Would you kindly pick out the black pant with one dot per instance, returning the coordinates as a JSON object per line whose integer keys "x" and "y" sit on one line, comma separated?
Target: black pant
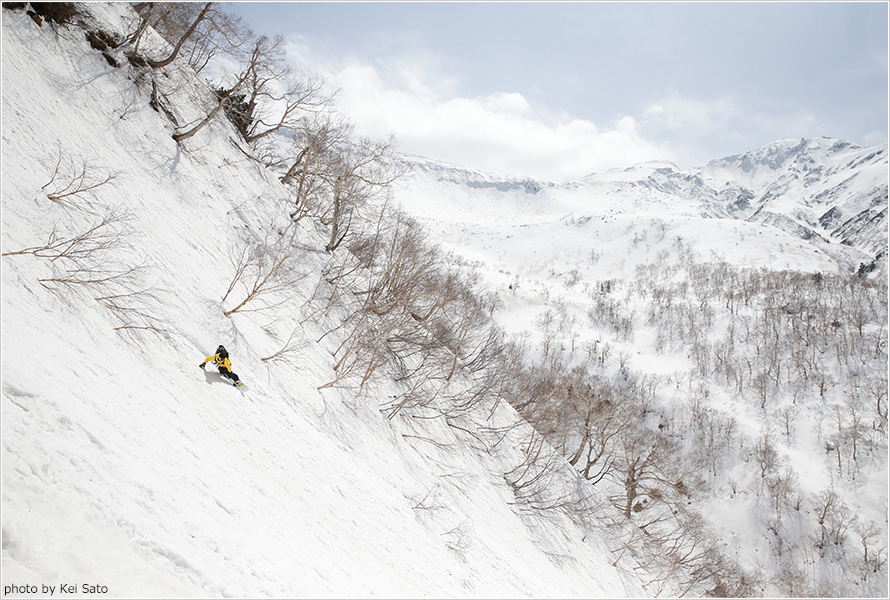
{"x": 226, "y": 373}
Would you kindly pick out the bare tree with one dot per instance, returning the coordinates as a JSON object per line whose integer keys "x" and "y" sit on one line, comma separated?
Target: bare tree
{"x": 314, "y": 143}
{"x": 67, "y": 180}
{"x": 826, "y": 503}
{"x": 265, "y": 268}
{"x": 877, "y": 390}
{"x": 874, "y": 548}
{"x": 287, "y": 350}
{"x": 157, "y": 64}
{"x": 255, "y": 56}
{"x": 359, "y": 172}
{"x": 784, "y": 488}
{"x": 81, "y": 249}
{"x": 275, "y": 97}
{"x": 87, "y": 264}
{"x": 219, "y": 33}
{"x": 392, "y": 286}
{"x": 597, "y": 414}
{"x": 766, "y": 457}
{"x": 645, "y": 462}
{"x": 133, "y": 305}
{"x": 194, "y": 30}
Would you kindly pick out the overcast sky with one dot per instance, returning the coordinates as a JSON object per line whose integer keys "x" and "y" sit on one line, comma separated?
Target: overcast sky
{"x": 562, "y": 89}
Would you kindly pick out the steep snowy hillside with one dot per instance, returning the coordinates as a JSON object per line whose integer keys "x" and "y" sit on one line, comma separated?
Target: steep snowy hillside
{"x": 127, "y": 470}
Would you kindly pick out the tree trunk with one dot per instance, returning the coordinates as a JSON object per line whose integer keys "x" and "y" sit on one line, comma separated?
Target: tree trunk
{"x": 136, "y": 36}
{"x": 335, "y": 226}
{"x": 186, "y": 135}
{"x": 630, "y": 487}
{"x": 577, "y": 454}
{"x": 291, "y": 173}
{"x": 163, "y": 63}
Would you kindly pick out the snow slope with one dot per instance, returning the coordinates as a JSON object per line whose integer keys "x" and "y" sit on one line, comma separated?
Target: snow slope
{"x": 125, "y": 467}
{"x": 818, "y": 188}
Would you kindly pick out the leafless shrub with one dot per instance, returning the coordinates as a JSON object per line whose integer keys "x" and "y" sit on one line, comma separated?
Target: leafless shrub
{"x": 134, "y": 310}
{"x": 97, "y": 276}
{"x": 82, "y": 249}
{"x": 289, "y": 350}
{"x": 430, "y": 501}
{"x": 69, "y": 180}
{"x": 87, "y": 261}
{"x": 457, "y": 538}
{"x": 265, "y": 268}
{"x": 792, "y": 579}
{"x": 119, "y": 289}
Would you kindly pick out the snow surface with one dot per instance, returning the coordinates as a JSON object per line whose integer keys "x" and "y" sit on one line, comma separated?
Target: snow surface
{"x": 124, "y": 466}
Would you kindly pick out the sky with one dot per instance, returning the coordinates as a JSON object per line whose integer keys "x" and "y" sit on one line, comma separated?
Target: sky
{"x": 559, "y": 90}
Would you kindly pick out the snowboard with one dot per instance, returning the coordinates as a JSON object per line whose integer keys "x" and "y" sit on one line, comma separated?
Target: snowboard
{"x": 239, "y": 384}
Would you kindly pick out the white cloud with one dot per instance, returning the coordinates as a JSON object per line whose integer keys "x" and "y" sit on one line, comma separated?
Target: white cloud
{"x": 499, "y": 132}
{"x": 678, "y": 112}
{"x": 702, "y": 129}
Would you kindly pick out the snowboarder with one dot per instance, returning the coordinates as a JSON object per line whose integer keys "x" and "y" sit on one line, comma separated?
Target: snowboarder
{"x": 221, "y": 358}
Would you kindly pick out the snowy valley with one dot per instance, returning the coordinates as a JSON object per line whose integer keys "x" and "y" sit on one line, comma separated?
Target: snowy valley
{"x": 667, "y": 275}
{"x": 647, "y": 382}
{"x": 656, "y": 271}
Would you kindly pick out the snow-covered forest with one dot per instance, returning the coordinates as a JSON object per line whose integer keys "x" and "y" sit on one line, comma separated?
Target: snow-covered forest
{"x": 648, "y": 382}
{"x": 692, "y": 348}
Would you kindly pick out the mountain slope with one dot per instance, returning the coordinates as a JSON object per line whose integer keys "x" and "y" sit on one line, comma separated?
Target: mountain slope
{"x": 751, "y": 210}
{"x": 125, "y": 467}
{"x": 827, "y": 188}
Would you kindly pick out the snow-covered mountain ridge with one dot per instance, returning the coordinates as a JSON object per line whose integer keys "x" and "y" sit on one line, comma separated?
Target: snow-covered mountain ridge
{"x": 829, "y": 192}
{"x": 829, "y": 188}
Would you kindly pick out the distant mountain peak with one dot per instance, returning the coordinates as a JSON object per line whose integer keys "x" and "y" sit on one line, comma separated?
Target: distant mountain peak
{"x": 824, "y": 190}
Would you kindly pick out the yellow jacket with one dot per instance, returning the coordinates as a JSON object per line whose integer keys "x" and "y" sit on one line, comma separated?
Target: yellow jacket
{"x": 222, "y": 362}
